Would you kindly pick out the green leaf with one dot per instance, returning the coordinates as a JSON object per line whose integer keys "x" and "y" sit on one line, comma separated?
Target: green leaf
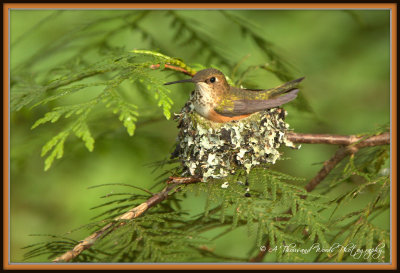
{"x": 56, "y": 144}
{"x": 82, "y": 131}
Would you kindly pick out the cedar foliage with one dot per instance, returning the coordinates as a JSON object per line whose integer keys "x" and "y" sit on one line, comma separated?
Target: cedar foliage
{"x": 166, "y": 233}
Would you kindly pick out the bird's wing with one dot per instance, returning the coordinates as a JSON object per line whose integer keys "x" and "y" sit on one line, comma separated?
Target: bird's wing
{"x": 243, "y": 107}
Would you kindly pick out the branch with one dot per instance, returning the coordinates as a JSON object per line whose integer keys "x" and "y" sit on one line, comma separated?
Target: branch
{"x": 173, "y": 182}
{"x": 353, "y": 144}
{"x": 338, "y": 139}
{"x": 131, "y": 214}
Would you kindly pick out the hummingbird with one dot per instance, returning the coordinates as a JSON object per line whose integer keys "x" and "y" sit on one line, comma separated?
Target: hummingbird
{"x": 216, "y": 100}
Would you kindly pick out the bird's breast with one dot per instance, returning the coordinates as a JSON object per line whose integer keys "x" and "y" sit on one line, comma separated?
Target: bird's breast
{"x": 203, "y": 100}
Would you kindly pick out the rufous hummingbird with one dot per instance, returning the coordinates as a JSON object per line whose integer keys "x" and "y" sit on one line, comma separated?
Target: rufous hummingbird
{"x": 217, "y": 101}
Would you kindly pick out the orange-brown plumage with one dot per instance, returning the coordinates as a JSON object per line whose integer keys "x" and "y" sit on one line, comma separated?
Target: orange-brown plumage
{"x": 214, "y": 116}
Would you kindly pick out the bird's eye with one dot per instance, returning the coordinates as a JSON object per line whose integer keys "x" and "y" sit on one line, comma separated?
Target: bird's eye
{"x": 212, "y": 79}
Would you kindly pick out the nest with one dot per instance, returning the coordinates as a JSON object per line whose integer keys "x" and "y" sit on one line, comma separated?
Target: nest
{"x": 214, "y": 150}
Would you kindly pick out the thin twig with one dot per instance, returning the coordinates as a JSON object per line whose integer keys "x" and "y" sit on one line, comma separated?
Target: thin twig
{"x": 183, "y": 180}
{"x": 172, "y": 67}
{"x": 131, "y": 214}
{"x": 351, "y": 148}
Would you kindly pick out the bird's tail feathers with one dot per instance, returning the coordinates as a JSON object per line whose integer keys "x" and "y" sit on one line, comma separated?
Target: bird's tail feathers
{"x": 284, "y": 88}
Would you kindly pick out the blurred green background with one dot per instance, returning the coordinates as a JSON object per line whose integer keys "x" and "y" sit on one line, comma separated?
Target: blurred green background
{"x": 344, "y": 55}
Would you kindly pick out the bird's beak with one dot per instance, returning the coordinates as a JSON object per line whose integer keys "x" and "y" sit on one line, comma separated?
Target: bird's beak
{"x": 188, "y": 80}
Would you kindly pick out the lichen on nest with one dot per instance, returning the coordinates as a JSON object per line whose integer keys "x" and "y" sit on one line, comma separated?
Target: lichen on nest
{"x": 214, "y": 150}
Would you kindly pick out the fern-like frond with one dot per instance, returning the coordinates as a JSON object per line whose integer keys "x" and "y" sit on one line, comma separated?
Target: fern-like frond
{"x": 187, "y": 33}
{"x": 136, "y": 66}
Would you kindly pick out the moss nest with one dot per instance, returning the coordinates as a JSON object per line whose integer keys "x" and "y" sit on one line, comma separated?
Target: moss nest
{"x": 209, "y": 149}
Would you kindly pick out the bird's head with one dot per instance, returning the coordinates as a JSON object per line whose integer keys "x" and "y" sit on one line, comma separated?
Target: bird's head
{"x": 209, "y": 80}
